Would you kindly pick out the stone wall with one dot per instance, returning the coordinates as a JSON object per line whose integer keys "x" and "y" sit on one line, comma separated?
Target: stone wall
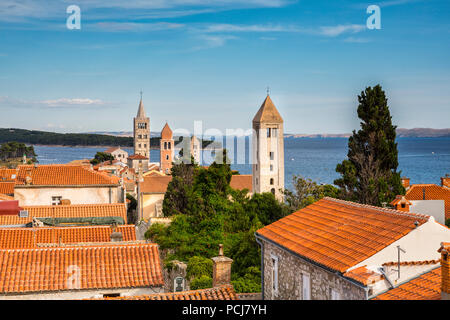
{"x": 290, "y": 270}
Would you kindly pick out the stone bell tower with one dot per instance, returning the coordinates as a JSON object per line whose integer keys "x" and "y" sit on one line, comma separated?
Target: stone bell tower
{"x": 268, "y": 150}
{"x": 167, "y": 147}
{"x": 142, "y": 132}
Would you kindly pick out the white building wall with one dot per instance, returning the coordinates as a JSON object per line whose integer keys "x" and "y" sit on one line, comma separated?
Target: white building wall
{"x": 85, "y": 195}
{"x": 434, "y": 208}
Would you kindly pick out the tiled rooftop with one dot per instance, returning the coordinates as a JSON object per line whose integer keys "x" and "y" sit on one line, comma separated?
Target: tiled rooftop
{"x": 27, "y": 238}
{"x": 432, "y": 192}
{"x": 98, "y": 267}
{"x": 241, "y": 182}
{"x": 268, "y": 112}
{"x": 7, "y": 174}
{"x": 340, "y": 234}
{"x": 363, "y": 275}
{"x": 7, "y": 188}
{"x": 424, "y": 287}
{"x": 218, "y": 293}
{"x": 69, "y": 211}
{"x": 62, "y": 175}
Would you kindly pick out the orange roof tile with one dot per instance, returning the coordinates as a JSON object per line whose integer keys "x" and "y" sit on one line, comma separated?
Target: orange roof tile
{"x": 425, "y": 287}
{"x": 155, "y": 184}
{"x": 68, "y": 211}
{"x": 411, "y": 263}
{"x": 98, "y": 267}
{"x": 242, "y": 181}
{"x": 166, "y": 132}
{"x": 61, "y": 175}
{"x": 432, "y": 192}
{"x": 7, "y": 188}
{"x": 218, "y": 293}
{"x": 137, "y": 157}
{"x": 26, "y": 238}
{"x": 363, "y": 275}
{"x": 7, "y": 174}
{"x": 340, "y": 234}
{"x": 4, "y": 197}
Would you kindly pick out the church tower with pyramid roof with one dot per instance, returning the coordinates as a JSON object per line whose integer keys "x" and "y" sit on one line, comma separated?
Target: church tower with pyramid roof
{"x": 167, "y": 149}
{"x": 141, "y": 132}
{"x": 268, "y": 150}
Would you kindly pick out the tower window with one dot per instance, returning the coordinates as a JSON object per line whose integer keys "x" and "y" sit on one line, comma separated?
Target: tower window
{"x": 167, "y": 157}
{"x": 139, "y": 145}
{"x": 271, "y": 181}
{"x": 269, "y": 133}
{"x": 170, "y": 145}
{"x": 165, "y": 145}
{"x": 271, "y": 167}
{"x": 145, "y": 145}
{"x": 273, "y": 191}
{"x": 140, "y": 136}
{"x": 142, "y": 125}
{"x": 145, "y": 136}
{"x": 274, "y": 132}
{"x": 271, "y": 154}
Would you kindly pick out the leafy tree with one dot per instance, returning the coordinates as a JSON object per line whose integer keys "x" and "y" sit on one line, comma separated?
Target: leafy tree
{"x": 369, "y": 175}
{"x": 202, "y": 282}
{"x": 199, "y": 266}
{"x": 306, "y": 192}
{"x": 12, "y": 150}
{"x": 102, "y": 157}
{"x": 250, "y": 282}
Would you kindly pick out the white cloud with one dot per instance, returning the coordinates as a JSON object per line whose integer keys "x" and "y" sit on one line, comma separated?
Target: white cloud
{"x": 333, "y": 31}
{"x": 11, "y": 103}
{"x": 131, "y": 26}
{"x": 64, "y": 102}
{"x": 249, "y": 28}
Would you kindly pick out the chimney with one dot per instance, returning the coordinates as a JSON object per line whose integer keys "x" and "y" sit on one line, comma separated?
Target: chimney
{"x": 405, "y": 182}
{"x": 402, "y": 204}
{"x": 445, "y": 181}
{"x": 116, "y": 236}
{"x": 445, "y": 270}
{"x": 221, "y": 269}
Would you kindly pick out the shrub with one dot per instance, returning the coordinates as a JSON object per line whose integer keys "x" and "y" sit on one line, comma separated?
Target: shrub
{"x": 203, "y": 282}
{"x": 199, "y": 266}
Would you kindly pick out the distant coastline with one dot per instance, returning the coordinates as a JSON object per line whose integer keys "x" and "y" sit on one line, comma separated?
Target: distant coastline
{"x": 401, "y": 133}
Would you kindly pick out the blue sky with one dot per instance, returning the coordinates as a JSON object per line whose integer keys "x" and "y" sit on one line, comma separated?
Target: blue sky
{"x": 212, "y": 61}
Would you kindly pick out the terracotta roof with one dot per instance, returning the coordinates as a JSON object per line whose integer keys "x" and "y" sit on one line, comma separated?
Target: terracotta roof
{"x": 68, "y": 211}
{"x": 364, "y": 275}
{"x": 218, "y": 293}
{"x": 7, "y": 187}
{"x": 60, "y": 175}
{"x": 268, "y": 112}
{"x": 242, "y": 181}
{"x": 112, "y": 149}
{"x": 340, "y": 234}
{"x": 4, "y": 197}
{"x": 411, "y": 263}
{"x": 27, "y": 238}
{"x": 99, "y": 267}
{"x": 432, "y": 192}
{"x": 166, "y": 132}
{"x": 424, "y": 287}
{"x": 7, "y": 174}
{"x": 137, "y": 157}
{"x": 155, "y": 184}
{"x": 9, "y": 207}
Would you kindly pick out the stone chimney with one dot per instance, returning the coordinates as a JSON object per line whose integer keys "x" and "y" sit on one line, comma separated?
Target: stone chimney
{"x": 405, "y": 182}
{"x": 116, "y": 236}
{"x": 401, "y": 204}
{"x": 445, "y": 181}
{"x": 445, "y": 270}
{"x": 221, "y": 269}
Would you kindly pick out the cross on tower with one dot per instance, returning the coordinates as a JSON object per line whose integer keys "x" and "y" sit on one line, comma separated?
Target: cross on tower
{"x": 141, "y": 94}
{"x": 268, "y": 90}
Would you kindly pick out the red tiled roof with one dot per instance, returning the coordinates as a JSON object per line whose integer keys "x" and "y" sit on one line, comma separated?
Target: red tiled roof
{"x": 424, "y": 287}
{"x": 166, "y": 132}
{"x": 340, "y": 234}
{"x": 7, "y": 188}
{"x": 155, "y": 184}
{"x": 137, "y": 157}
{"x": 432, "y": 192}
{"x": 363, "y": 275}
{"x": 4, "y": 197}
{"x": 218, "y": 293}
{"x": 112, "y": 149}
{"x": 242, "y": 181}
{"x": 27, "y": 238}
{"x": 411, "y": 263}
{"x": 68, "y": 211}
{"x": 7, "y": 174}
{"x": 98, "y": 267}
{"x": 60, "y": 175}
{"x": 268, "y": 112}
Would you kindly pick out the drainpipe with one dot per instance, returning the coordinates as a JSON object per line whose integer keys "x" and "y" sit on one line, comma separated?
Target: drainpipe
{"x": 262, "y": 265}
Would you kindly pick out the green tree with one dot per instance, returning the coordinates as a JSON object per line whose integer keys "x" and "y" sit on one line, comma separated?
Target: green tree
{"x": 101, "y": 157}
{"x": 202, "y": 282}
{"x": 306, "y": 192}
{"x": 369, "y": 175}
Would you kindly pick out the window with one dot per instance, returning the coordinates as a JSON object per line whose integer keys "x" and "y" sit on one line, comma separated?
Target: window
{"x": 145, "y": 136}
{"x": 273, "y": 191}
{"x": 335, "y": 295}
{"x": 140, "y": 136}
{"x": 139, "y": 145}
{"x": 167, "y": 157}
{"x": 256, "y": 166}
{"x": 170, "y": 145}
{"x": 165, "y": 145}
{"x": 56, "y": 200}
{"x": 111, "y": 295}
{"x": 274, "y": 133}
{"x": 142, "y": 125}
{"x": 274, "y": 275}
{"x": 271, "y": 181}
{"x": 271, "y": 167}
{"x": 145, "y": 145}
{"x": 268, "y": 132}
{"x": 271, "y": 154}
{"x": 256, "y": 180}
{"x": 306, "y": 286}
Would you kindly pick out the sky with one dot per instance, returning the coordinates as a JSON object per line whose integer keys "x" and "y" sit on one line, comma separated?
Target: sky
{"x": 212, "y": 61}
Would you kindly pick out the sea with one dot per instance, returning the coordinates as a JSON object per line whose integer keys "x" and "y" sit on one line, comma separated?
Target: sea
{"x": 423, "y": 160}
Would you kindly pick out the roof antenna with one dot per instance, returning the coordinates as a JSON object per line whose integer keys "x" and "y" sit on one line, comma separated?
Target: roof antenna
{"x": 398, "y": 263}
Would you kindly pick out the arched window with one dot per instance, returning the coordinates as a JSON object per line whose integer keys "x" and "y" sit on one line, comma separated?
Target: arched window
{"x": 165, "y": 145}
{"x": 273, "y": 191}
{"x": 271, "y": 181}
{"x": 167, "y": 157}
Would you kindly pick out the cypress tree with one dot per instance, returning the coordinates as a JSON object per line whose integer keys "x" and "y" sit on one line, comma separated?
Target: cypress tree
{"x": 369, "y": 175}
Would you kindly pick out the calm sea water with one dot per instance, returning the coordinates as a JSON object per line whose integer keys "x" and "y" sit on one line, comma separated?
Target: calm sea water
{"x": 424, "y": 160}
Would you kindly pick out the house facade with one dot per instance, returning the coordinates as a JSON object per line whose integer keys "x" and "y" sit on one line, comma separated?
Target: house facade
{"x": 340, "y": 250}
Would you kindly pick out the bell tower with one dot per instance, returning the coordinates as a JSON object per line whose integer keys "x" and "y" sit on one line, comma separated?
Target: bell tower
{"x": 166, "y": 149}
{"x": 268, "y": 150}
{"x": 141, "y": 132}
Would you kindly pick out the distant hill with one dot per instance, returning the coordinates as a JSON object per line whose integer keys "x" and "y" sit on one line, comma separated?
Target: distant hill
{"x": 401, "y": 133}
